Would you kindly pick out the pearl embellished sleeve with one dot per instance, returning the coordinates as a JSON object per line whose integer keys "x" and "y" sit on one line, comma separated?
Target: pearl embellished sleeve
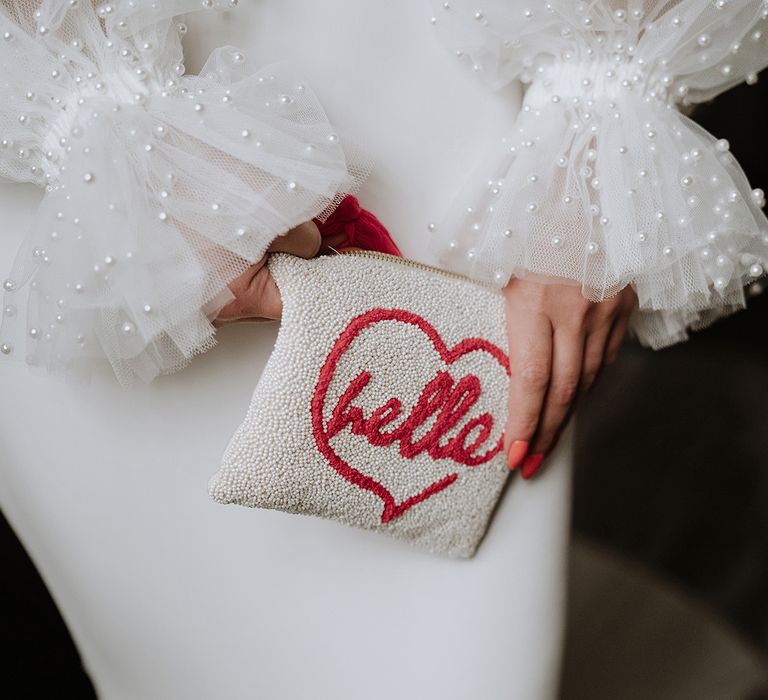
{"x": 603, "y": 181}
{"x": 160, "y": 187}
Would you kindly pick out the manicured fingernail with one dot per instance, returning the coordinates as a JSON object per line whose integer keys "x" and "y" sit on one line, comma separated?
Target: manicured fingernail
{"x": 517, "y": 451}
{"x": 532, "y": 464}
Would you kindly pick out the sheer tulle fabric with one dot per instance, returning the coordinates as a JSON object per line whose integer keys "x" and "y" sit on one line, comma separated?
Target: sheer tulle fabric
{"x": 160, "y": 188}
{"x": 602, "y": 180}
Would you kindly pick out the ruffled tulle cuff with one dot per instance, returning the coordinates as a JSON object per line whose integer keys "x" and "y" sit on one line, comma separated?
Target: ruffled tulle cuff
{"x": 161, "y": 188}
{"x": 602, "y": 181}
{"x": 612, "y": 192}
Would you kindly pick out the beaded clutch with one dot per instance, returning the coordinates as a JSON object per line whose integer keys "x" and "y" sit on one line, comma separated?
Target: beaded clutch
{"x": 381, "y": 406}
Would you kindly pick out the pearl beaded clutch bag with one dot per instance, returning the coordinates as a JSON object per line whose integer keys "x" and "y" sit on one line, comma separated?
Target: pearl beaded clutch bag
{"x": 382, "y": 405}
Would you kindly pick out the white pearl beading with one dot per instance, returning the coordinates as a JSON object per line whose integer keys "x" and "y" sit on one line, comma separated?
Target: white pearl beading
{"x": 598, "y": 77}
{"x": 115, "y": 90}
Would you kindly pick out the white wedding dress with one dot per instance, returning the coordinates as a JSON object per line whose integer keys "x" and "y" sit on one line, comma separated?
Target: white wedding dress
{"x": 167, "y": 594}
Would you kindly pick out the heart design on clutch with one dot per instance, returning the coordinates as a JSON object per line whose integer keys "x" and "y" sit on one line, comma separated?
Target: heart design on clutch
{"x": 442, "y": 396}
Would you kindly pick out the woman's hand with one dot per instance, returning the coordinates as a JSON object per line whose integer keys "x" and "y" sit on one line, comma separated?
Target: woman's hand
{"x": 257, "y": 297}
{"x": 558, "y": 343}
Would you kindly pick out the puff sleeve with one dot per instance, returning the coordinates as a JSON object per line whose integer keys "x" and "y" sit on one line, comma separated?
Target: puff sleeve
{"x": 602, "y": 180}
{"x": 160, "y": 187}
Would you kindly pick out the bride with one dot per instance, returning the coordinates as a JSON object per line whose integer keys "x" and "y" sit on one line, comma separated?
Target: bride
{"x": 590, "y": 221}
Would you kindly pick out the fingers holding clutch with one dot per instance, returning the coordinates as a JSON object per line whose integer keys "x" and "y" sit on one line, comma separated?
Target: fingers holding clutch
{"x": 257, "y": 297}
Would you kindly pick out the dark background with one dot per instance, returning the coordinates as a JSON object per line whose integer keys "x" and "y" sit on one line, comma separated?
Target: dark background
{"x": 671, "y": 464}
{"x": 690, "y": 497}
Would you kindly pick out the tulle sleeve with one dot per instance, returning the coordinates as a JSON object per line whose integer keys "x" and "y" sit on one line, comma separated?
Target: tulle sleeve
{"x": 603, "y": 181}
{"x": 160, "y": 187}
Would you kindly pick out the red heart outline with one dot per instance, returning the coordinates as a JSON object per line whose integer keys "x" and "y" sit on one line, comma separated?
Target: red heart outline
{"x": 449, "y": 355}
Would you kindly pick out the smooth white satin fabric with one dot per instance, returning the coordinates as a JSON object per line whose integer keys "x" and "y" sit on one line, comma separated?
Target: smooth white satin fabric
{"x": 170, "y": 595}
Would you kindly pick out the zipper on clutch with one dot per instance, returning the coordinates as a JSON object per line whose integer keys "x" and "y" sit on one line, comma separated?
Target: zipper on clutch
{"x": 413, "y": 263}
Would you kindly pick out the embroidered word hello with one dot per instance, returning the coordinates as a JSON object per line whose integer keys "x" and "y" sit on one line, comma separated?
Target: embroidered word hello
{"x": 443, "y": 397}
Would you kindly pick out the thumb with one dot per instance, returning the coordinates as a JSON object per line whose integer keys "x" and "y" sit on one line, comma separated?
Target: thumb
{"x": 303, "y": 241}
{"x": 257, "y": 297}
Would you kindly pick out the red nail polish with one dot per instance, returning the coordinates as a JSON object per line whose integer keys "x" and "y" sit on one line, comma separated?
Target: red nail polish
{"x": 517, "y": 451}
{"x": 532, "y": 464}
